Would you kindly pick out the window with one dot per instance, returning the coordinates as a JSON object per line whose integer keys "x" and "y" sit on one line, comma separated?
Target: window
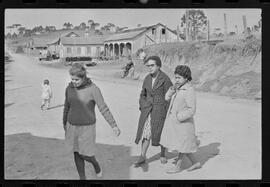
{"x": 79, "y": 50}
{"x": 153, "y": 31}
{"x": 88, "y": 50}
{"x": 68, "y": 49}
{"x": 163, "y": 31}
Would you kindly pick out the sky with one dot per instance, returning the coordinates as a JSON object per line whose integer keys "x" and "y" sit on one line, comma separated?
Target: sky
{"x": 30, "y": 18}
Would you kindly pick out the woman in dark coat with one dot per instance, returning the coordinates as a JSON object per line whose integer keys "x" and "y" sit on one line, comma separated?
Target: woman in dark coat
{"x": 153, "y": 107}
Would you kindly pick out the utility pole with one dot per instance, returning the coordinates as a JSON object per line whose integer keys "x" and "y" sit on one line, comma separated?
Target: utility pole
{"x": 165, "y": 33}
{"x": 236, "y": 29}
{"x": 177, "y": 32}
{"x": 225, "y": 26}
{"x": 187, "y": 24}
{"x": 245, "y": 24}
{"x": 208, "y": 30}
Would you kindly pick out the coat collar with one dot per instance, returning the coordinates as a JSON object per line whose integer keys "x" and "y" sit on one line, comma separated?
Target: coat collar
{"x": 159, "y": 80}
{"x": 86, "y": 83}
{"x": 186, "y": 86}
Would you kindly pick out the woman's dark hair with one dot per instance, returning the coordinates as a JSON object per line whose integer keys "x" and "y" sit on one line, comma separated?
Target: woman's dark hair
{"x": 155, "y": 58}
{"x": 78, "y": 70}
{"x": 46, "y": 81}
{"x": 183, "y": 71}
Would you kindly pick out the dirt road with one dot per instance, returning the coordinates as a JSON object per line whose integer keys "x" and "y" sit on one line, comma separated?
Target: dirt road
{"x": 229, "y": 130}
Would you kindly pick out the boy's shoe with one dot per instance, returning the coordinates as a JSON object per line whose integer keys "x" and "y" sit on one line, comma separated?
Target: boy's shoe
{"x": 195, "y": 166}
{"x": 174, "y": 169}
{"x": 163, "y": 160}
{"x": 99, "y": 175}
{"x": 140, "y": 161}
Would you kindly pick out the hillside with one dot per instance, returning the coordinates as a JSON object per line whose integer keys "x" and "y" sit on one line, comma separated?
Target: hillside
{"x": 232, "y": 67}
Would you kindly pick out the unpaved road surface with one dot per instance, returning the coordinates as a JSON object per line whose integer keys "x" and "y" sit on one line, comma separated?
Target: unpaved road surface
{"x": 229, "y": 130}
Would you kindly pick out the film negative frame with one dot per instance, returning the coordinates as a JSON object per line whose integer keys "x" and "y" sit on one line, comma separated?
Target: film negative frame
{"x": 263, "y": 4}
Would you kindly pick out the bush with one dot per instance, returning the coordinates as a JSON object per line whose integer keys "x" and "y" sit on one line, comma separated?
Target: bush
{"x": 83, "y": 58}
{"x": 19, "y": 49}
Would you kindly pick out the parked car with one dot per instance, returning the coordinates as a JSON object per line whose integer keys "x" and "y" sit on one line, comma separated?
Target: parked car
{"x": 92, "y": 63}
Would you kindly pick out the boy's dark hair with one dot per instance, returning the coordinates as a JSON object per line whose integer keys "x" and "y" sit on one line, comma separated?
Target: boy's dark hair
{"x": 183, "y": 71}
{"x": 46, "y": 81}
{"x": 156, "y": 59}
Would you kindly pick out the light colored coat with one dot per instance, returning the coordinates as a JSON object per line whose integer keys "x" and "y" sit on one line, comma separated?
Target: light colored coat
{"x": 179, "y": 129}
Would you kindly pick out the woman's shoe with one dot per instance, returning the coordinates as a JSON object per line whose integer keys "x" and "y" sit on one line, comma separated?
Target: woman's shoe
{"x": 99, "y": 175}
{"x": 163, "y": 160}
{"x": 140, "y": 161}
{"x": 195, "y": 166}
{"x": 175, "y": 169}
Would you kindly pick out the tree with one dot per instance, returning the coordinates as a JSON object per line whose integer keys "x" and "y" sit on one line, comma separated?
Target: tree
{"x": 82, "y": 26}
{"x": 27, "y": 33}
{"x": 50, "y": 28}
{"x": 37, "y": 29}
{"x": 90, "y": 22}
{"x": 256, "y": 28}
{"x": 95, "y": 25}
{"x": 139, "y": 25}
{"x": 67, "y": 25}
{"x": 8, "y": 36}
{"x": 21, "y": 30}
{"x": 197, "y": 20}
{"x": 108, "y": 27}
{"x": 10, "y": 28}
{"x": 14, "y": 36}
{"x": 92, "y": 25}
{"x": 119, "y": 29}
{"x": 16, "y": 25}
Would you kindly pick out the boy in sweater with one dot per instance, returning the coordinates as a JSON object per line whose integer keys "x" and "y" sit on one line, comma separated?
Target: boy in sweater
{"x": 79, "y": 118}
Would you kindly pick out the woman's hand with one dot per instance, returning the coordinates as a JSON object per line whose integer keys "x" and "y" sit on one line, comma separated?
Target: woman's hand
{"x": 175, "y": 86}
{"x": 65, "y": 127}
{"x": 116, "y": 131}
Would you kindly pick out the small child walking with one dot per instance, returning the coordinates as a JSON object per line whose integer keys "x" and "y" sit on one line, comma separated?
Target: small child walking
{"x": 46, "y": 94}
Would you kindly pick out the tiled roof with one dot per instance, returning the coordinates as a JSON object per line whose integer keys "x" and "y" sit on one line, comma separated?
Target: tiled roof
{"x": 91, "y": 40}
{"x": 125, "y": 35}
{"x": 132, "y": 33}
{"x": 47, "y": 38}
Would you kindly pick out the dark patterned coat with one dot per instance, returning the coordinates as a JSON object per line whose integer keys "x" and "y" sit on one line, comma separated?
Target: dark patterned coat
{"x": 152, "y": 101}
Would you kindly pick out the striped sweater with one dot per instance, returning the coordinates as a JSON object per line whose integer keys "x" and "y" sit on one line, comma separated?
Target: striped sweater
{"x": 79, "y": 107}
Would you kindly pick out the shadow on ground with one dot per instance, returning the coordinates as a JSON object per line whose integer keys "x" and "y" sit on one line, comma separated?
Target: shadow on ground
{"x": 8, "y": 104}
{"x": 33, "y": 157}
{"x": 57, "y": 106}
{"x": 203, "y": 154}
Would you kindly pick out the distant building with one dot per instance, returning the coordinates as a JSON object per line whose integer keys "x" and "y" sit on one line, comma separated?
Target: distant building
{"x": 131, "y": 40}
{"x": 80, "y": 46}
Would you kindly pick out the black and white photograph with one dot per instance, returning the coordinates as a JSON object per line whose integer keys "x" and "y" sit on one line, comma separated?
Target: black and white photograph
{"x": 133, "y": 94}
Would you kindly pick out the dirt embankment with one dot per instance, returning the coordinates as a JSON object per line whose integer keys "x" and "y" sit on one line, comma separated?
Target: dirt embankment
{"x": 232, "y": 67}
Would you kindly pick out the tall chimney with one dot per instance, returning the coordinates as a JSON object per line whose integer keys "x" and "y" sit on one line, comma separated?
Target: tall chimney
{"x": 187, "y": 24}
{"x": 236, "y": 29}
{"x": 177, "y": 32}
{"x": 245, "y": 24}
{"x": 208, "y": 30}
{"x": 225, "y": 26}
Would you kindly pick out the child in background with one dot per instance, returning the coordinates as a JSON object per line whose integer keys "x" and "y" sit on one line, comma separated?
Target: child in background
{"x": 46, "y": 94}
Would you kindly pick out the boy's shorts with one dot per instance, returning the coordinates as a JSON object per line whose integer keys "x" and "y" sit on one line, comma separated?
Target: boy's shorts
{"x": 81, "y": 139}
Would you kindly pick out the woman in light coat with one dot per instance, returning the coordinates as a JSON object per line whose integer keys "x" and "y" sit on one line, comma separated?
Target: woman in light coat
{"x": 179, "y": 130}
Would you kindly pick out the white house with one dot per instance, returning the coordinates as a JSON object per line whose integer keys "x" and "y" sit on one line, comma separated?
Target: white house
{"x": 130, "y": 41}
